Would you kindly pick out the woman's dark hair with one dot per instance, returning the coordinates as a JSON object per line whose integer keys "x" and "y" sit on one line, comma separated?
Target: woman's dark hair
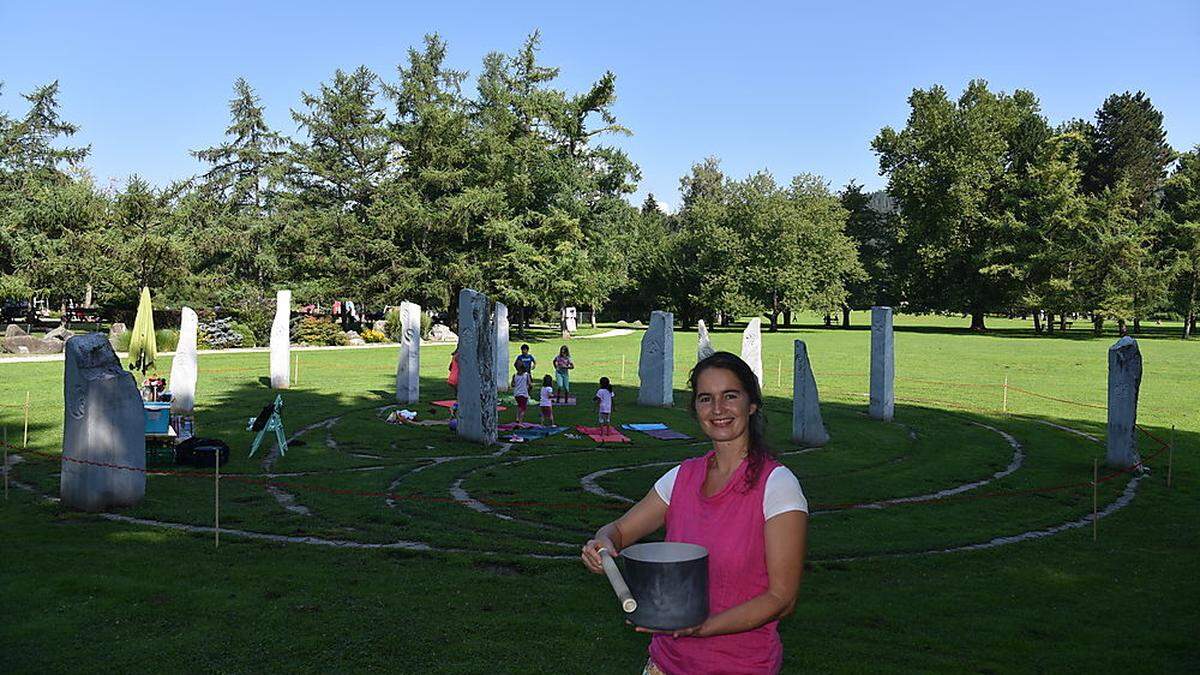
{"x": 759, "y": 449}
{"x": 605, "y": 384}
{"x": 564, "y": 351}
{"x": 547, "y": 381}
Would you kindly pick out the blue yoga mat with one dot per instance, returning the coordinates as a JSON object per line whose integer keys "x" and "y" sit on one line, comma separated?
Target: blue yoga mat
{"x": 644, "y": 427}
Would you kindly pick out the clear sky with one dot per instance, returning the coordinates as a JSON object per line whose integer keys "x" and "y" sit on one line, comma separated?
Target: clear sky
{"x": 789, "y": 87}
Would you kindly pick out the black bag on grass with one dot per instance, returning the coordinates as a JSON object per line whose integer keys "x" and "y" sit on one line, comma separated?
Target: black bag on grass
{"x": 201, "y": 451}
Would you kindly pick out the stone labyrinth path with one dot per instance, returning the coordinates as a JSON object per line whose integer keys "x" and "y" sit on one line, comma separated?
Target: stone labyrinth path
{"x": 542, "y": 500}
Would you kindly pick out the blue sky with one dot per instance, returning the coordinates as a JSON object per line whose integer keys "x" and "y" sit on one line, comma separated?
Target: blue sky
{"x": 788, "y": 87}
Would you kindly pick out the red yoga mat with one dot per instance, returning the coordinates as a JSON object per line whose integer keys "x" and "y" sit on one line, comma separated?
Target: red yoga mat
{"x": 450, "y": 404}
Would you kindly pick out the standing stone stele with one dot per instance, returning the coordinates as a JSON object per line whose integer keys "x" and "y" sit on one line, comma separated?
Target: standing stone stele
{"x": 656, "y": 365}
{"x": 476, "y": 367}
{"x": 281, "y": 342}
{"x": 1124, "y": 382}
{"x": 502, "y": 362}
{"x": 183, "y": 367}
{"x": 883, "y": 365}
{"x": 752, "y": 348}
{"x": 103, "y": 423}
{"x": 408, "y": 369}
{"x": 808, "y": 429}
{"x": 704, "y": 348}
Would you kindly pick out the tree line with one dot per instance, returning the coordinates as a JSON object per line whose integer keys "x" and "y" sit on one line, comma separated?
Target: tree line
{"x": 417, "y": 185}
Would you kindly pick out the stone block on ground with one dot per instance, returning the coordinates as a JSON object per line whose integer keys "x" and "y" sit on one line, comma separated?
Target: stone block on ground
{"x": 883, "y": 365}
{"x": 1124, "y": 384}
{"x": 656, "y": 364}
{"x": 408, "y": 368}
{"x": 476, "y": 367}
{"x": 103, "y": 423}
{"x": 808, "y": 429}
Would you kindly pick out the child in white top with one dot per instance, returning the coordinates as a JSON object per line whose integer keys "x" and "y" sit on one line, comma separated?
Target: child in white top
{"x": 604, "y": 403}
{"x": 521, "y": 382}
{"x": 546, "y": 401}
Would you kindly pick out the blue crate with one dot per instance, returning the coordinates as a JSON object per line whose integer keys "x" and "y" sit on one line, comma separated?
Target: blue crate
{"x": 158, "y": 416}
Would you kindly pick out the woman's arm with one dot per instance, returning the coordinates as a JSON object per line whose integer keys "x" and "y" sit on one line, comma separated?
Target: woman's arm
{"x": 643, "y": 518}
{"x": 785, "y": 542}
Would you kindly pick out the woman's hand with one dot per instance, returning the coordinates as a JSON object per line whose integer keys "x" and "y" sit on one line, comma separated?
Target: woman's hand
{"x": 591, "y": 553}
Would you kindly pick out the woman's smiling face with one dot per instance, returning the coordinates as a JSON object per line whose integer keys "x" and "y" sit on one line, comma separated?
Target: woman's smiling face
{"x": 722, "y": 405}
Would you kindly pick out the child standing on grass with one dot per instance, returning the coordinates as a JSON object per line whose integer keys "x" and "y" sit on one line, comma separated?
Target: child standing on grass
{"x": 521, "y": 382}
{"x": 604, "y": 404}
{"x": 546, "y": 401}
{"x": 562, "y": 374}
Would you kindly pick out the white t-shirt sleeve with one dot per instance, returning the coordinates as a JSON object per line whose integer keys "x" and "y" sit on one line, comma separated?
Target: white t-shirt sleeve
{"x": 665, "y": 485}
{"x": 547, "y": 397}
{"x": 783, "y": 494}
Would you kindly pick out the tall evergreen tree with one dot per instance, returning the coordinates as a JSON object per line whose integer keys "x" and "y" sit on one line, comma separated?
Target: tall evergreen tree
{"x": 1129, "y": 143}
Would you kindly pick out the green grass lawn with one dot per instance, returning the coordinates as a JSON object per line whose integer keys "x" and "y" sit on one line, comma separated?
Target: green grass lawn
{"x": 497, "y": 591}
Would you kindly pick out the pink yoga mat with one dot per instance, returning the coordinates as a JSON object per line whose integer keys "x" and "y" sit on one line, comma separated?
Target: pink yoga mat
{"x": 601, "y": 435}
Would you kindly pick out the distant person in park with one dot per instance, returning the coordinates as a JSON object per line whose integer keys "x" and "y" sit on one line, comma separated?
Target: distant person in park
{"x": 546, "y": 401}
{"x": 522, "y": 382}
{"x": 604, "y": 404}
{"x": 525, "y": 359}
{"x": 452, "y": 378}
{"x": 563, "y": 365}
{"x": 742, "y": 505}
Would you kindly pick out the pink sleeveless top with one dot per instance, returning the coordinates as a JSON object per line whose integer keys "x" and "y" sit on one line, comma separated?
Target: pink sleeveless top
{"x": 730, "y": 525}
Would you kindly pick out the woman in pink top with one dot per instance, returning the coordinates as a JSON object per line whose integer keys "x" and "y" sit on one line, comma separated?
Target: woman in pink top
{"x": 746, "y": 509}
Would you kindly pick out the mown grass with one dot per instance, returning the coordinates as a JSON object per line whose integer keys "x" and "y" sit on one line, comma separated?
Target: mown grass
{"x": 82, "y": 593}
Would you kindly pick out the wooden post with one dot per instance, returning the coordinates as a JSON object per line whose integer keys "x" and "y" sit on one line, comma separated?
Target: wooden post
{"x": 622, "y": 367}
{"x": 1095, "y": 486}
{"x": 5, "y": 462}
{"x": 1006, "y": 394}
{"x": 216, "y": 497}
{"x": 779, "y": 374}
{"x": 1170, "y": 454}
{"x": 25, "y": 440}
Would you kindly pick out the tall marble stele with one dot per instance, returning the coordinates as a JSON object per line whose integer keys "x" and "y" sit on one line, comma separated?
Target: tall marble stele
{"x": 883, "y": 365}
{"x": 476, "y": 367}
{"x": 1124, "y": 383}
{"x": 408, "y": 369}
{"x": 281, "y": 341}
{"x": 103, "y": 423}
{"x": 752, "y": 348}
{"x": 502, "y": 362}
{"x": 808, "y": 429}
{"x": 656, "y": 365}
{"x": 183, "y": 366}
{"x": 704, "y": 348}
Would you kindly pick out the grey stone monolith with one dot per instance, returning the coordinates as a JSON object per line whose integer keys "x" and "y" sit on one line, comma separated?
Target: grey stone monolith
{"x": 502, "y": 362}
{"x": 184, "y": 367}
{"x": 408, "y": 369}
{"x": 281, "y": 341}
{"x": 476, "y": 367}
{"x": 656, "y": 365}
{"x": 883, "y": 365}
{"x": 752, "y": 347}
{"x": 103, "y": 423}
{"x": 808, "y": 429}
{"x": 1124, "y": 382}
{"x": 704, "y": 348}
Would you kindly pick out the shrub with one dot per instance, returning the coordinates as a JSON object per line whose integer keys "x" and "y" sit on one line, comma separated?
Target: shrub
{"x": 314, "y": 331}
{"x": 392, "y": 325}
{"x": 121, "y": 341}
{"x": 220, "y": 334}
{"x": 167, "y": 339}
{"x": 249, "y": 337}
{"x": 256, "y": 319}
{"x": 372, "y": 335}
